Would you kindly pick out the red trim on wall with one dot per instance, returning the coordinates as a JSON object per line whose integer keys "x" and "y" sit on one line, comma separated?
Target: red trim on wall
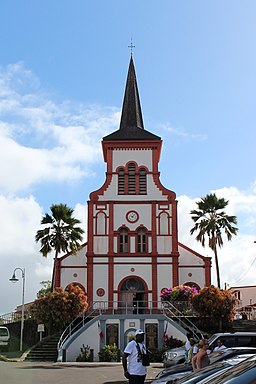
{"x": 90, "y": 278}
{"x": 154, "y": 282}
{"x": 94, "y": 196}
{"x": 194, "y": 252}
{"x": 153, "y": 226}
{"x": 111, "y": 256}
{"x": 90, "y": 224}
{"x": 111, "y": 228}
{"x": 57, "y": 277}
{"x": 208, "y": 271}
{"x": 175, "y": 268}
{"x": 71, "y": 253}
{"x": 78, "y": 285}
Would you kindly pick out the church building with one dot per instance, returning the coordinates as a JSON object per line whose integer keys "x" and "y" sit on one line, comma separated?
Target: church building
{"x": 132, "y": 251}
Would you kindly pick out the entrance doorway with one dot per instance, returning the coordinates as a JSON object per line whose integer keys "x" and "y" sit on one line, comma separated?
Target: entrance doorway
{"x": 132, "y": 296}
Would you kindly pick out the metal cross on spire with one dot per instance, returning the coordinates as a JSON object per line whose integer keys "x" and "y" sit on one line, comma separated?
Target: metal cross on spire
{"x": 131, "y": 46}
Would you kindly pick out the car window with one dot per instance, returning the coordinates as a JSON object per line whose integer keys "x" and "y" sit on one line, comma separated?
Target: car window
{"x": 229, "y": 341}
{"x": 245, "y": 341}
{"x": 4, "y": 332}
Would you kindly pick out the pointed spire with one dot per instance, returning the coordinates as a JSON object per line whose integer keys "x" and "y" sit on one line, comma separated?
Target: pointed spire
{"x": 131, "y": 124}
{"x": 131, "y": 113}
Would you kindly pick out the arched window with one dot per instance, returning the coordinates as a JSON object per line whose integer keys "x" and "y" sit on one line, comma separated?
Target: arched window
{"x": 131, "y": 178}
{"x": 101, "y": 224}
{"x": 123, "y": 241}
{"x": 141, "y": 240}
{"x": 121, "y": 181}
{"x": 163, "y": 224}
{"x": 142, "y": 181}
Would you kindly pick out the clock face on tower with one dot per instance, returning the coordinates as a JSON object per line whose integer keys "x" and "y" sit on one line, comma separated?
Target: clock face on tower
{"x": 132, "y": 216}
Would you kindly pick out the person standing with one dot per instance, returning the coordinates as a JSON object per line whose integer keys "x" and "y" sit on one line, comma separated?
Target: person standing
{"x": 132, "y": 359}
{"x": 201, "y": 359}
{"x": 192, "y": 351}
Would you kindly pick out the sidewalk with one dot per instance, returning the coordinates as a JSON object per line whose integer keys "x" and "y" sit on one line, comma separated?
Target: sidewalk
{"x": 100, "y": 364}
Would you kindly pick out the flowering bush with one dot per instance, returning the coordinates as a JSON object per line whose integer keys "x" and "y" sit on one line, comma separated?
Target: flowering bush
{"x": 58, "y": 308}
{"x": 215, "y": 303}
{"x": 179, "y": 293}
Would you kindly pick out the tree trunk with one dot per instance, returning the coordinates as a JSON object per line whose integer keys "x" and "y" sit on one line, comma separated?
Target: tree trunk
{"x": 217, "y": 265}
{"x": 53, "y": 272}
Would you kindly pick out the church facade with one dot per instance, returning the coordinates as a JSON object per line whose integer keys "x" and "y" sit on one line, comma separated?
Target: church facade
{"x": 132, "y": 251}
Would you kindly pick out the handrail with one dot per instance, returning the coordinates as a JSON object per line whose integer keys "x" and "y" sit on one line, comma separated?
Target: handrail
{"x": 183, "y": 320}
{"x": 73, "y": 327}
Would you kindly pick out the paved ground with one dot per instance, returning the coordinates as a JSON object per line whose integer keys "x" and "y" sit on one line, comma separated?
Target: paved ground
{"x": 65, "y": 373}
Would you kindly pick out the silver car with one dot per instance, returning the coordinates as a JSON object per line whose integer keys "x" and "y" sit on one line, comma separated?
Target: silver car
{"x": 230, "y": 339}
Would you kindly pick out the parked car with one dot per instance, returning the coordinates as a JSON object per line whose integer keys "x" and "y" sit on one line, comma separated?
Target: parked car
{"x": 181, "y": 370}
{"x": 208, "y": 373}
{"x": 232, "y": 339}
{"x": 4, "y": 338}
{"x": 242, "y": 373}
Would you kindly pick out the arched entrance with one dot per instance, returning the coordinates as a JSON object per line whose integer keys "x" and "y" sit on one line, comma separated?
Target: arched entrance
{"x": 132, "y": 294}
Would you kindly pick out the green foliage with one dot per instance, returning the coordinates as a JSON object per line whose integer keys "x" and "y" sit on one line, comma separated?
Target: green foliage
{"x": 60, "y": 232}
{"x": 211, "y": 221}
{"x": 85, "y": 354}
{"x": 109, "y": 353}
{"x": 58, "y": 308}
{"x": 216, "y": 303}
{"x": 45, "y": 289}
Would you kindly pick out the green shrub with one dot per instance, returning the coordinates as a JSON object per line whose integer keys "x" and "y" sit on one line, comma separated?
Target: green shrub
{"x": 85, "y": 354}
{"x": 109, "y": 353}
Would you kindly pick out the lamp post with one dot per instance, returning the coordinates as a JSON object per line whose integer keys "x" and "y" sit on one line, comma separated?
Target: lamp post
{"x": 14, "y": 280}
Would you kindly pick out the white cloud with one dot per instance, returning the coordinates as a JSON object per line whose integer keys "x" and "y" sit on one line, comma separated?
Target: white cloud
{"x": 42, "y": 141}
{"x": 19, "y": 221}
{"x": 183, "y": 134}
{"x": 237, "y": 255}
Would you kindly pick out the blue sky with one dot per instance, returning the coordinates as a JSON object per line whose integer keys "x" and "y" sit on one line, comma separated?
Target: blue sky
{"x": 63, "y": 67}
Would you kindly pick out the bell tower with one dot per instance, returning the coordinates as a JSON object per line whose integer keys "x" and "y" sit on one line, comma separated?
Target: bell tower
{"x": 132, "y": 251}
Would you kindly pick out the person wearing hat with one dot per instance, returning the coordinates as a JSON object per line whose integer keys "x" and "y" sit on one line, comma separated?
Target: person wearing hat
{"x": 132, "y": 359}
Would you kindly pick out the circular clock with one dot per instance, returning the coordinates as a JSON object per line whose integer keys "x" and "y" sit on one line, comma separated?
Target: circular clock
{"x": 132, "y": 216}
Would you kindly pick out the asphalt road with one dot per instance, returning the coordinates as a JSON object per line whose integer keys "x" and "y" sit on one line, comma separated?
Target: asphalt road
{"x": 54, "y": 373}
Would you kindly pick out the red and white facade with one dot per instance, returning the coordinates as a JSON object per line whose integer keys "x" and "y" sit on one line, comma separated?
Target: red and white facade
{"x": 133, "y": 251}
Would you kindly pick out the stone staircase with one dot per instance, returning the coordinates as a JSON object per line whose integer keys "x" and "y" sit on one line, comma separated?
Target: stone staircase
{"x": 45, "y": 350}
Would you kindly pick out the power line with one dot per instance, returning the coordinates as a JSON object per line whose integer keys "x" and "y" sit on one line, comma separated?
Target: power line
{"x": 237, "y": 281}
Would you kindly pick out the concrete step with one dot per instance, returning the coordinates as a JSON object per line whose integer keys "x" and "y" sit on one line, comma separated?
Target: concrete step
{"x": 46, "y": 350}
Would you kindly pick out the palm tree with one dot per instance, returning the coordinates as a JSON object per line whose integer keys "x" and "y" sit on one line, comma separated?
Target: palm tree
{"x": 211, "y": 220}
{"x": 60, "y": 233}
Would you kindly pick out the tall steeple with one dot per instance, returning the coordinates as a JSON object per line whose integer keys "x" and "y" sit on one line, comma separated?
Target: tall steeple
{"x": 131, "y": 112}
{"x": 131, "y": 124}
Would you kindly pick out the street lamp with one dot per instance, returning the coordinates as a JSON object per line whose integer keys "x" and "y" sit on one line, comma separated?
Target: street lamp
{"x": 14, "y": 280}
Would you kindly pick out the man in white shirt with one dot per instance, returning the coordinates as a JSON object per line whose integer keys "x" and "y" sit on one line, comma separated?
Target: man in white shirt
{"x": 134, "y": 370}
{"x": 220, "y": 346}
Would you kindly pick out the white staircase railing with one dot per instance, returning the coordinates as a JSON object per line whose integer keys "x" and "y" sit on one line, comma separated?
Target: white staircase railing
{"x": 182, "y": 318}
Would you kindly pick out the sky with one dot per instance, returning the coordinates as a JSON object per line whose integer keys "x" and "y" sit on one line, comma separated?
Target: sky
{"x": 63, "y": 68}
